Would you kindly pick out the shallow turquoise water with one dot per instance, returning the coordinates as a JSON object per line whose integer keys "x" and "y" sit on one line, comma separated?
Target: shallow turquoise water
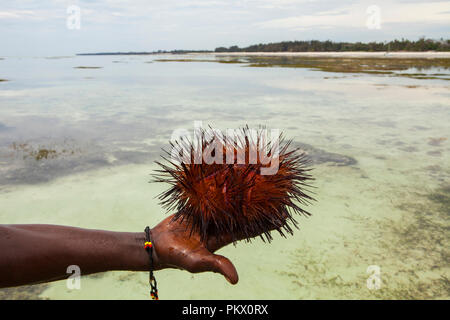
{"x": 106, "y": 127}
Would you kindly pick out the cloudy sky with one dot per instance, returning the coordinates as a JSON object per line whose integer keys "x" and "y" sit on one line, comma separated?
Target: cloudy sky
{"x": 47, "y": 27}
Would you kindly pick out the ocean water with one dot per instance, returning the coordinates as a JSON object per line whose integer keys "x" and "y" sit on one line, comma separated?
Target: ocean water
{"x": 79, "y": 136}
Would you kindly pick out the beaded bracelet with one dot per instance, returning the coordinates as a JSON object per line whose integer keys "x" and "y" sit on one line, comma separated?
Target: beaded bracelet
{"x": 149, "y": 248}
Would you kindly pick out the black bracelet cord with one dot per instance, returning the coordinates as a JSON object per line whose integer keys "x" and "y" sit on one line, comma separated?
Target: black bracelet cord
{"x": 152, "y": 280}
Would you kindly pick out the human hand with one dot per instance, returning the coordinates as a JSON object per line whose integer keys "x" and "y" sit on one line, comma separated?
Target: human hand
{"x": 176, "y": 247}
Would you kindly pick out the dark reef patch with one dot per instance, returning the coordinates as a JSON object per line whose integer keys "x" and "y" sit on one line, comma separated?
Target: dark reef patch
{"x": 420, "y": 128}
{"x": 231, "y": 61}
{"x": 319, "y": 156}
{"x": 373, "y": 66}
{"x": 23, "y": 292}
{"x": 436, "y": 141}
{"x": 87, "y": 67}
{"x": 441, "y": 199}
{"x": 33, "y": 163}
{"x": 409, "y": 149}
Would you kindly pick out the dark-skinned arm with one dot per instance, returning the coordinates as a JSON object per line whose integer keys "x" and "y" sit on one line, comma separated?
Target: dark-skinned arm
{"x": 41, "y": 253}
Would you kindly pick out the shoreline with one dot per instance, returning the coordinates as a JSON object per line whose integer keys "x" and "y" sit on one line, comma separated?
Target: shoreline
{"x": 345, "y": 54}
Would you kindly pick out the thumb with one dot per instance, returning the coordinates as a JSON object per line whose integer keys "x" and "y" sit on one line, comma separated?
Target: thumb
{"x": 224, "y": 266}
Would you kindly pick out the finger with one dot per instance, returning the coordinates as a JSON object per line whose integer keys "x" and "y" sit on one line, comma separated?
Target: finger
{"x": 224, "y": 266}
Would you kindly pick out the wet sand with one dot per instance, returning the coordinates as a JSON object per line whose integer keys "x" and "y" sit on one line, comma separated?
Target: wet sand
{"x": 349, "y": 54}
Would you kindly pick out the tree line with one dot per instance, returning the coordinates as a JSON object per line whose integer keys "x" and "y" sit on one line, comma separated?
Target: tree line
{"x": 325, "y": 46}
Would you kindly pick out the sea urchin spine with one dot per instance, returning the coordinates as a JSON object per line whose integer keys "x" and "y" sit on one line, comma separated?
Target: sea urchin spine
{"x": 232, "y": 195}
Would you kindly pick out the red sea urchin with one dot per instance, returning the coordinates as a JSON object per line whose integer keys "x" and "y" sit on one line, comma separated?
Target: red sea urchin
{"x": 237, "y": 185}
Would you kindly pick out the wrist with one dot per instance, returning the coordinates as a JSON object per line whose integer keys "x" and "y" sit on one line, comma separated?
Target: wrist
{"x": 133, "y": 255}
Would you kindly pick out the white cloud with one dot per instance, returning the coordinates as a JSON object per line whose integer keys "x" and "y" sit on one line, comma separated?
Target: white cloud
{"x": 356, "y": 16}
{"x": 17, "y": 14}
{"x": 433, "y": 12}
